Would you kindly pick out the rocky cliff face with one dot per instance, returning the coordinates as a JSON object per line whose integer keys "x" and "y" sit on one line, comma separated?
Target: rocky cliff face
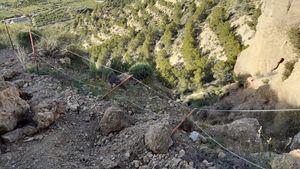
{"x": 269, "y": 45}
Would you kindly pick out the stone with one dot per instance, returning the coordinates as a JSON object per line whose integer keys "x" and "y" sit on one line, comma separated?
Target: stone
{"x": 158, "y": 138}
{"x": 127, "y": 154}
{"x": 146, "y": 159}
{"x": 109, "y": 164}
{"x": 12, "y": 108}
{"x": 194, "y": 136}
{"x": 205, "y": 162}
{"x": 47, "y": 112}
{"x": 240, "y": 135}
{"x": 287, "y": 161}
{"x": 13, "y": 136}
{"x": 181, "y": 153}
{"x": 73, "y": 107}
{"x": 114, "y": 119}
{"x": 221, "y": 155}
{"x": 175, "y": 162}
{"x": 296, "y": 142}
{"x": 65, "y": 61}
{"x": 136, "y": 163}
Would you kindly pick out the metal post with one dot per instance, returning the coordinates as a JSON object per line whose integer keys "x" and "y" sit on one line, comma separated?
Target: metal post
{"x": 187, "y": 116}
{"x": 7, "y": 30}
{"x": 33, "y": 50}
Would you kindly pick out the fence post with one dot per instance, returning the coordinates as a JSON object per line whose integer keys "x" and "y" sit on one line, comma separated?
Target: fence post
{"x": 7, "y": 30}
{"x": 33, "y": 50}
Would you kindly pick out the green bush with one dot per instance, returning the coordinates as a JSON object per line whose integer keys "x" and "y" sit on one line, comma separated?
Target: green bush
{"x": 223, "y": 72}
{"x": 117, "y": 64}
{"x": 23, "y": 40}
{"x": 289, "y": 67}
{"x": 141, "y": 71}
{"x": 48, "y": 48}
{"x": 228, "y": 40}
{"x": 165, "y": 69}
{"x": 294, "y": 36}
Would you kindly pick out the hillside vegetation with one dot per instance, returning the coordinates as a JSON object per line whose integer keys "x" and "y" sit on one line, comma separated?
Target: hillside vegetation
{"x": 43, "y": 12}
{"x": 166, "y": 34}
{"x": 191, "y": 45}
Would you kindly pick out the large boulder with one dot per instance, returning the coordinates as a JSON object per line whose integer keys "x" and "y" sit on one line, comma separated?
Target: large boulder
{"x": 158, "y": 138}
{"x": 114, "y": 119}
{"x": 241, "y": 135}
{"x": 287, "y": 161}
{"x": 47, "y": 112}
{"x": 12, "y": 108}
{"x": 296, "y": 142}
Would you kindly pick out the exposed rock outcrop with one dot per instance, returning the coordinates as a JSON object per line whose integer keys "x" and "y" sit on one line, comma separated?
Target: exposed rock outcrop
{"x": 241, "y": 135}
{"x": 296, "y": 142}
{"x": 269, "y": 45}
{"x": 12, "y": 108}
{"x": 287, "y": 161}
{"x": 47, "y": 112}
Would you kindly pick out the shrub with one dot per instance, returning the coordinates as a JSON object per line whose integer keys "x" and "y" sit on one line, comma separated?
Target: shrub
{"x": 117, "y": 64}
{"x": 141, "y": 71}
{"x": 223, "y": 72}
{"x": 2, "y": 46}
{"x": 289, "y": 67}
{"x": 48, "y": 48}
{"x": 23, "y": 40}
{"x": 228, "y": 40}
{"x": 294, "y": 36}
{"x": 165, "y": 69}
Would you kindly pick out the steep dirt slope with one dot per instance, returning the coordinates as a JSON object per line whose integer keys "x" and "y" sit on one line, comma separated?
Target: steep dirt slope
{"x": 269, "y": 46}
{"x": 75, "y": 140}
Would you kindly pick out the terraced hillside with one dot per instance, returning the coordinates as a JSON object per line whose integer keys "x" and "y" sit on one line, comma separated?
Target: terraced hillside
{"x": 43, "y": 12}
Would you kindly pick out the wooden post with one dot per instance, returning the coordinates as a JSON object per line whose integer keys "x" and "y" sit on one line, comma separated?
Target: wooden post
{"x": 116, "y": 87}
{"x": 186, "y": 116}
{"x": 7, "y": 30}
{"x": 33, "y": 50}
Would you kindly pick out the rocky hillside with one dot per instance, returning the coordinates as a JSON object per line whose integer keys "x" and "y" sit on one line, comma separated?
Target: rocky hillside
{"x": 45, "y": 122}
{"x": 272, "y": 43}
{"x": 190, "y": 43}
{"x": 229, "y": 55}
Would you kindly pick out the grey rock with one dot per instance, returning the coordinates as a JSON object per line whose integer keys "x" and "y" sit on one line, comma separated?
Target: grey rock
{"x": 136, "y": 163}
{"x": 146, "y": 159}
{"x": 181, "y": 153}
{"x": 74, "y": 107}
{"x": 109, "y": 164}
{"x": 175, "y": 162}
{"x": 221, "y": 155}
{"x": 114, "y": 119}
{"x": 287, "y": 161}
{"x": 13, "y": 136}
{"x": 239, "y": 135}
{"x": 158, "y": 138}
{"x": 127, "y": 154}
{"x": 194, "y": 136}
{"x": 296, "y": 142}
